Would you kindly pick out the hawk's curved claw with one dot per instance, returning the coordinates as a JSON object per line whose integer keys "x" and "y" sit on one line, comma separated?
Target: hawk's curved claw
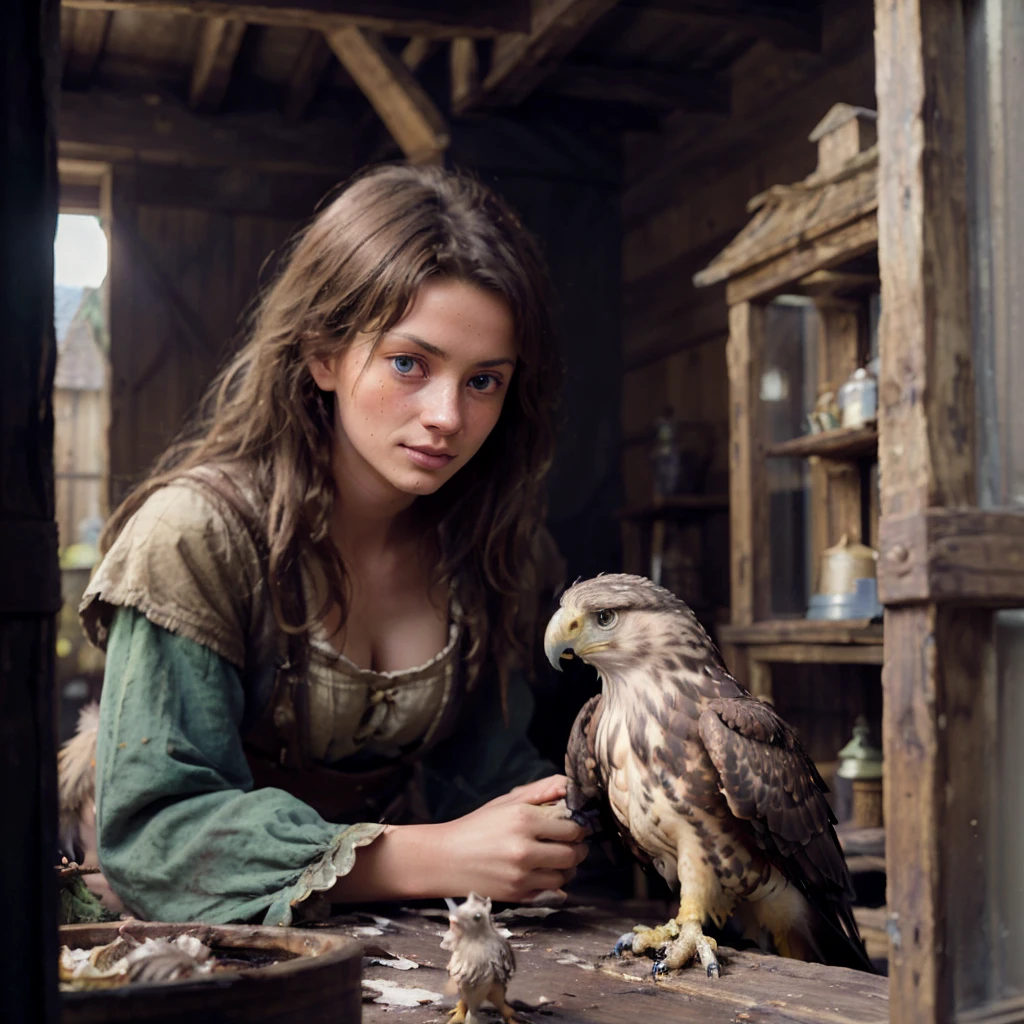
{"x": 658, "y": 969}
{"x": 586, "y": 819}
{"x": 713, "y": 970}
{"x": 624, "y": 943}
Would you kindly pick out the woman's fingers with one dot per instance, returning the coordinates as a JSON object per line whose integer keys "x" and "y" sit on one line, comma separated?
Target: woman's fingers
{"x": 559, "y": 856}
{"x": 551, "y": 824}
{"x": 543, "y": 791}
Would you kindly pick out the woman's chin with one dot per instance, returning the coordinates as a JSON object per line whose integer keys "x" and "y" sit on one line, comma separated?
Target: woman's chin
{"x": 419, "y": 483}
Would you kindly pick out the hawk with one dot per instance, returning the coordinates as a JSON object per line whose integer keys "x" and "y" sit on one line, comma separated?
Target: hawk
{"x": 703, "y": 780}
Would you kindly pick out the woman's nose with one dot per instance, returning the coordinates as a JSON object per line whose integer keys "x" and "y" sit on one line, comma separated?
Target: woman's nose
{"x": 441, "y": 408}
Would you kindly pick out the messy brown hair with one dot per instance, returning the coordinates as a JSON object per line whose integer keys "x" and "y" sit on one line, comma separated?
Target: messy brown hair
{"x": 356, "y": 269}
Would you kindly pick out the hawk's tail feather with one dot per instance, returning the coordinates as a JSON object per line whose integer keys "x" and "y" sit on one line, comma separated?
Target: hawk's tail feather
{"x": 836, "y": 939}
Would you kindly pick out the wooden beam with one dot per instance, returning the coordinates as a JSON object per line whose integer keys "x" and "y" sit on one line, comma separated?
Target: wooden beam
{"x": 646, "y": 87}
{"x": 310, "y": 65}
{"x": 402, "y": 103}
{"x": 254, "y": 193}
{"x": 30, "y": 58}
{"x": 786, "y": 28}
{"x": 464, "y": 65}
{"x": 83, "y": 46}
{"x": 219, "y": 44}
{"x": 439, "y": 19}
{"x": 833, "y": 249}
{"x": 817, "y": 654}
{"x": 939, "y": 685}
{"x": 418, "y": 51}
{"x": 117, "y": 128}
{"x": 520, "y": 61}
{"x": 748, "y": 512}
{"x": 958, "y": 556}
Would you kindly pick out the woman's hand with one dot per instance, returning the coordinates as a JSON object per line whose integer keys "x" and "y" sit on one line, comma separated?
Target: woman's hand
{"x": 515, "y": 847}
{"x": 512, "y": 849}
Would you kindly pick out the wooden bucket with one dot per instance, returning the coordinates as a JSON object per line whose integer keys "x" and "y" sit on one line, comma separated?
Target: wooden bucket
{"x": 320, "y": 982}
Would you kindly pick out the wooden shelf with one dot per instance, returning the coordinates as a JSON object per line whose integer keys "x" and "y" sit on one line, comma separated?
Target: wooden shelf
{"x": 805, "y": 631}
{"x": 864, "y": 842}
{"x": 808, "y": 641}
{"x": 679, "y": 506}
{"x": 841, "y": 443}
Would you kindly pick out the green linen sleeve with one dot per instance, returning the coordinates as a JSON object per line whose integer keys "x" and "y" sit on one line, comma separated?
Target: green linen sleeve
{"x": 182, "y": 834}
{"x": 485, "y": 757}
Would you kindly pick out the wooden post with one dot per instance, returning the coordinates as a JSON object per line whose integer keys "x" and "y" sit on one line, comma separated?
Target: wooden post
{"x": 748, "y": 512}
{"x": 938, "y": 727}
{"x": 30, "y": 596}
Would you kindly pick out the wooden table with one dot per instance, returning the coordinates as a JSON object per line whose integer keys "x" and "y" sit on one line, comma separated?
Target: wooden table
{"x": 565, "y": 975}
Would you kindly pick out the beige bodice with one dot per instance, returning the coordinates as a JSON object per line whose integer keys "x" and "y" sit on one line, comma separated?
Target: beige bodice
{"x": 352, "y": 709}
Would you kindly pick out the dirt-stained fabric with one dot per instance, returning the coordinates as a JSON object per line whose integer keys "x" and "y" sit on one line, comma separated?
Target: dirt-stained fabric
{"x": 180, "y": 606}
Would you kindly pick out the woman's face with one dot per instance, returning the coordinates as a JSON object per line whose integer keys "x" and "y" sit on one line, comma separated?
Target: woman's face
{"x": 412, "y": 413}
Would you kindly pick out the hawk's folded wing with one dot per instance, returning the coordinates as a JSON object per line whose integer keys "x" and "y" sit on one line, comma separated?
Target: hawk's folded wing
{"x": 768, "y": 779}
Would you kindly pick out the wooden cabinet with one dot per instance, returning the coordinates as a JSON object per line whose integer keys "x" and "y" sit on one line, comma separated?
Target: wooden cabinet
{"x": 812, "y": 245}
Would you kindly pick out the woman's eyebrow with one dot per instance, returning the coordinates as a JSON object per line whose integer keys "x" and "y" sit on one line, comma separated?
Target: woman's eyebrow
{"x": 425, "y": 345}
{"x": 434, "y": 350}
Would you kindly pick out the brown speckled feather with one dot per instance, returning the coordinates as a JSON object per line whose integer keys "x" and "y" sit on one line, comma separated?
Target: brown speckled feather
{"x": 585, "y": 783}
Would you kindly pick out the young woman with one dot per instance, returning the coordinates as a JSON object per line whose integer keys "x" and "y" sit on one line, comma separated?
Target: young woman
{"x": 319, "y": 609}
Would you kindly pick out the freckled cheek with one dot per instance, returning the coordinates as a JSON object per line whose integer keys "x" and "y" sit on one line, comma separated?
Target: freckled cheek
{"x": 382, "y": 402}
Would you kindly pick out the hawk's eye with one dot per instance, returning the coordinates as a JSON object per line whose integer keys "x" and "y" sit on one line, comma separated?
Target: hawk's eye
{"x": 606, "y": 618}
{"x": 477, "y": 917}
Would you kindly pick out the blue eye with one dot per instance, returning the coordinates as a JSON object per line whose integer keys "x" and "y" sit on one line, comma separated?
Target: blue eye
{"x": 404, "y": 364}
{"x": 484, "y": 382}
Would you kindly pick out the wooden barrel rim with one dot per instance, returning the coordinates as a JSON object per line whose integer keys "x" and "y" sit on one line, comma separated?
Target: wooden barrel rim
{"x": 311, "y": 947}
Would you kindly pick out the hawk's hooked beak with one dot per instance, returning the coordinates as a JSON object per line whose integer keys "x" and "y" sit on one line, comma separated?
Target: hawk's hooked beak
{"x": 564, "y": 632}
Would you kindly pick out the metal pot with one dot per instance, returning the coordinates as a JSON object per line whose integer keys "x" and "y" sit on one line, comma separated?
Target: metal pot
{"x": 843, "y": 564}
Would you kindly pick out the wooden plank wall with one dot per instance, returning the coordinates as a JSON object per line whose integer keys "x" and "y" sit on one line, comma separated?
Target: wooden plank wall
{"x": 181, "y": 278}
{"x": 685, "y": 197}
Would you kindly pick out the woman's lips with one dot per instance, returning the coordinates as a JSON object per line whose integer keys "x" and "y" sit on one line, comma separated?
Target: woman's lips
{"x": 427, "y": 459}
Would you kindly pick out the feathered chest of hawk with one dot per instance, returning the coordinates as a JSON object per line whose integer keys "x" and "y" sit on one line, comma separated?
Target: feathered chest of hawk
{"x": 702, "y": 779}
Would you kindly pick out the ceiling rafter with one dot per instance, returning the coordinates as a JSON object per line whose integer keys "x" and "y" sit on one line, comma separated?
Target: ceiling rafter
{"x": 83, "y": 46}
{"x": 521, "y": 60}
{"x": 464, "y": 69}
{"x": 418, "y": 51}
{"x": 403, "y": 105}
{"x": 439, "y": 19}
{"x": 219, "y": 44}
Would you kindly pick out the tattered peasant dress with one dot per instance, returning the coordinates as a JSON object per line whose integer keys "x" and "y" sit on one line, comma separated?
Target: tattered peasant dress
{"x": 181, "y": 607}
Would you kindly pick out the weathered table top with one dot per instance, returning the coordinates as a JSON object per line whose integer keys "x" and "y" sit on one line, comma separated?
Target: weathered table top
{"x": 565, "y": 975}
